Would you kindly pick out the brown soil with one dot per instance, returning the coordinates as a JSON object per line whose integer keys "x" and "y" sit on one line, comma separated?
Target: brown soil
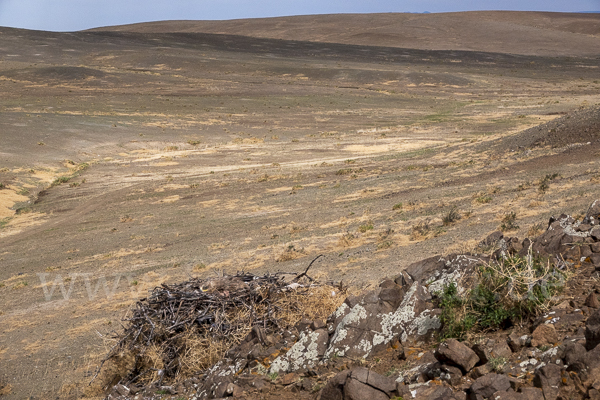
{"x": 209, "y": 153}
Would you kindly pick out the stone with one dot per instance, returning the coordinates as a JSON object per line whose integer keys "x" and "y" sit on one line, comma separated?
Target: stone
{"x": 492, "y": 239}
{"x": 510, "y": 395}
{"x": 592, "y": 301}
{"x": 592, "y": 330}
{"x": 592, "y": 217}
{"x": 595, "y": 260}
{"x": 451, "y": 374}
{"x": 373, "y": 379}
{"x": 574, "y": 356}
{"x": 531, "y": 393}
{"x": 392, "y": 294}
{"x": 491, "y": 349}
{"x": 548, "y": 379}
{"x": 290, "y": 378}
{"x": 595, "y": 247}
{"x": 305, "y": 353}
{"x": 317, "y": 324}
{"x": 544, "y": 335}
{"x": 356, "y": 390}
{"x": 455, "y": 352}
{"x": 516, "y": 342}
{"x": 434, "y": 393}
{"x": 489, "y": 384}
{"x": 480, "y": 371}
{"x": 595, "y": 233}
{"x": 334, "y": 388}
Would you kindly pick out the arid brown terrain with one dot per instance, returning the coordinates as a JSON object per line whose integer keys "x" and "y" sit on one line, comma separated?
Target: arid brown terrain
{"x": 142, "y": 154}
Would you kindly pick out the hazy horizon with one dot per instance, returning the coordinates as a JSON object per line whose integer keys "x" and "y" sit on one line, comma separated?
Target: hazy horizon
{"x": 73, "y": 15}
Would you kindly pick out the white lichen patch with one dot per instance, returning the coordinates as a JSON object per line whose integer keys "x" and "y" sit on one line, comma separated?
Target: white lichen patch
{"x": 303, "y": 354}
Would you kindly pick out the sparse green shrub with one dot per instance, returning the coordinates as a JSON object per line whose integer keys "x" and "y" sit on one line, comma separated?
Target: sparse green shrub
{"x": 503, "y": 293}
{"x": 452, "y": 216}
{"x": 545, "y": 182}
{"x": 484, "y": 199}
{"x": 397, "y": 206}
{"x": 366, "y": 227}
{"x": 60, "y": 180}
{"x": 496, "y": 363}
{"x": 2, "y": 185}
{"x": 509, "y": 222}
{"x": 193, "y": 142}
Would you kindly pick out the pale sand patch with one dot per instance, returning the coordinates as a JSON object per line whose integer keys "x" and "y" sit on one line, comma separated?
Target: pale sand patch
{"x": 165, "y": 164}
{"x": 402, "y": 145}
{"x": 171, "y": 186}
{"x": 8, "y": 198}
{"x": 170, "y": 199}
{"x": 20, "y": 222}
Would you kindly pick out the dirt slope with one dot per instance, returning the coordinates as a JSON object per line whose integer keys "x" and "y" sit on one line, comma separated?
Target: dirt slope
{"x": 187, "y": 154}
{"x": 529, "y": 33}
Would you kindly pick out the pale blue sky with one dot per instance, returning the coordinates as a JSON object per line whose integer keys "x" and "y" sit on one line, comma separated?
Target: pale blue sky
{"x": 70, "y": 15}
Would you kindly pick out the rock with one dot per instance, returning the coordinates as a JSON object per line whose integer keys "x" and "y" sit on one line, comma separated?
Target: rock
{"x": 592, "y": 331}
{"x": 595, "y": 233}
{"x": 434, "y": 393}
{"x": 305, "y": 353}
{"x": 516, "y": 342}
{"x": 452, "y": 375}
{"x": 574, "y": 357}
{"x": 595, "y": 247}
{"x": 492, "y": 349}
{"x": 480, "y": 371}
{"x": 492, "y": 239}
{"x": 531, "y": 393}
{"x": 592, "y": 217}
{"x": 510, "y": 395}
{"x": 392, "y": 294}
{"x": 373, "y": 379}
{"x": 356, "y": 390}
{"x": 592, "y": 301}
{"x": 334, "y": 389}
{"x": 544, "y": 335}
{"x": 454, "y": 352}
{"x": 489, "y": 384}
{"x": 548, "y": 379}
{"x": 290, "y": 378}
{"x": 317, "y": 324}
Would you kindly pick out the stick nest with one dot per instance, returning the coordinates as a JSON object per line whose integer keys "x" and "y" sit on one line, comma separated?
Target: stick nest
{"x": 180, "y": 330}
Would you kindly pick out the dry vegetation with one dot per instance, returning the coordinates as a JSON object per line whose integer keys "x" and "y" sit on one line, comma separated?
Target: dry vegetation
{"x": 181, "y": 330}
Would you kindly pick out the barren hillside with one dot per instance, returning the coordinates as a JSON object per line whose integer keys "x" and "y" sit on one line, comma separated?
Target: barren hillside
{"x": 527, "y": 33}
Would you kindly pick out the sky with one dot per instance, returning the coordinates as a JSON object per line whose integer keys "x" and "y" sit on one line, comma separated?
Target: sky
{"x": 72, "y": 15}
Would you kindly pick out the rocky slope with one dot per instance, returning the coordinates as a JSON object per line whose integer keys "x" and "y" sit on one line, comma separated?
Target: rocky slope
{"x": 385, "y": 343}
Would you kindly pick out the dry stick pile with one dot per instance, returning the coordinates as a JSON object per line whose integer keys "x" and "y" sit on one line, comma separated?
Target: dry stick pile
{"x": 207, "y": 313}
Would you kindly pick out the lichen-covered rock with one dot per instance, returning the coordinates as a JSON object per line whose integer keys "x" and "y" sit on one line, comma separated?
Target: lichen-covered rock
{"x": 592, "y": 217}
{"x": 307, "y": 352}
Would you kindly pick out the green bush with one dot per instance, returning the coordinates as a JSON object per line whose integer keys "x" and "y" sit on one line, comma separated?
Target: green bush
{"x": 503, "y": 293}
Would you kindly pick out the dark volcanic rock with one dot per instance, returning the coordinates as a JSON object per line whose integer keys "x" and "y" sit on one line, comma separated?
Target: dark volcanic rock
{"x": 454, "y": 352}
{"x": 592, "y": 331}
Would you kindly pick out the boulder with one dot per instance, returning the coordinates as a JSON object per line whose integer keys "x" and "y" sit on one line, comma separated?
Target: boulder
{"x": 592, "y": 301}
{"x": 548, "y": 379}
{"x": 305, "y": 353}
{"x": 592, "y": 217}
{"x": 491, "y": 349}
{"x": 454, "y": 352}
{"x": 592, "y": 330}
{"x": 544, "y": 335}
{"x": 489, "y": 384}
